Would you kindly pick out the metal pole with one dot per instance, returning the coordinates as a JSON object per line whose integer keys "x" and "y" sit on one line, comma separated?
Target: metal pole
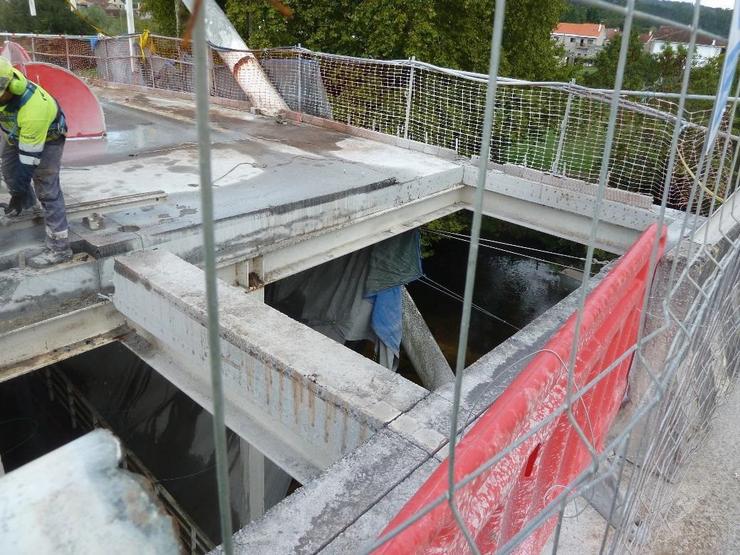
{"x": 603, "y": 176}
{"x": 130, "y": 29}
{"x": 177, "y": 18}
{"x": 200, "y": 51}
{"x": 300, "y": 80}
{"x": 563, "y": 129}
{"x": 66, "y": 51}
{"x": 409, "y": 95}
{"x": 107, "y": 61}
{"x": 485, "y": 151}
{"x": 33, "y": 48}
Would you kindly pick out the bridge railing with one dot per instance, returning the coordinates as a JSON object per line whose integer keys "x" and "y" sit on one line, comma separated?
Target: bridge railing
{"x": 547, "y": 126}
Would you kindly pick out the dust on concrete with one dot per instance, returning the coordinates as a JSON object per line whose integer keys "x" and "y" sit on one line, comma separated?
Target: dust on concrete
{"x": 705, "y": 517}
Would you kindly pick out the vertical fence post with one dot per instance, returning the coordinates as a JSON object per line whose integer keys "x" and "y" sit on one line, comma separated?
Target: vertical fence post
{"x": 200, "y": 54}
{"x": 211, "y": 71}
{"x": 409, "y": 95}
{"x": 107, "y": 61}
{"x": 131, "y": 30}
{"x": 563, "y": 130}
{"x": 66, "y": 52}
{"x": 33, "y": 48}
{"x": 299, "y": 104}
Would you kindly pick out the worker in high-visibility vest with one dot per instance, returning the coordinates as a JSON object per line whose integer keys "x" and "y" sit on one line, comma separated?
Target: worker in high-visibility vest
{"x": 34, "y": 131}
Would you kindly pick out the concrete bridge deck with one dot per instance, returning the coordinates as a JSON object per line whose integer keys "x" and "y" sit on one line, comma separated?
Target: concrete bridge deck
{"x": 289, "y": 196}
{"x": 274, "y": 183}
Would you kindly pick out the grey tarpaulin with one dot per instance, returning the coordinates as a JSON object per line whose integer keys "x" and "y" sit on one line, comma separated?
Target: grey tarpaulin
{"x": 299, "y": 83}
{"x": 109, "y": 52}
{"x": 338, "y": 298}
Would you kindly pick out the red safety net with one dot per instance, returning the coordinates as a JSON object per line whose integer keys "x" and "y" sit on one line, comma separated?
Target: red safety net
{"x": 81, "y": 108}
{"x": 497, "y": 504}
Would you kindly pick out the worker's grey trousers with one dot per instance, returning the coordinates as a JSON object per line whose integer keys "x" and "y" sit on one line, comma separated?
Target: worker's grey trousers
{"x": 47, "y": 189}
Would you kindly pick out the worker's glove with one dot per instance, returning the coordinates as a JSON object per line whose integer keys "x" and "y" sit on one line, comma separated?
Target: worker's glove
{"x": 15, "y": 205}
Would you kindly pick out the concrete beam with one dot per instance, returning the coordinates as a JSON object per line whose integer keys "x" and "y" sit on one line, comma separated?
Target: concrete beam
{"x": 423, "y": 351}
{"x": 559, "y": 211}
{"x": 300, "y": 398}
{"x": 722, "y": 223}
{"x": 286, "y": 258}
{"x": 76, "y": 499}
{"x": 31, "y": 347}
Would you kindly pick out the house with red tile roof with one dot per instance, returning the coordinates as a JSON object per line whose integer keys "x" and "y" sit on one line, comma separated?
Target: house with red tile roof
{"x": 581, "y": 40}
{"x": 657, "y": 40}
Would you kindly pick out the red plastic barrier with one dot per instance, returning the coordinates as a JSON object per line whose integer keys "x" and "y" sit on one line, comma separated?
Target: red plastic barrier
{"x": 497, "y": 504}
{"x": 81, "y": 108}
{"x": 15, "y": 53}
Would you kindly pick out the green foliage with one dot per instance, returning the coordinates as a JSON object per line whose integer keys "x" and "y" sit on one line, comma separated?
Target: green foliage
{"x": 530, "y": 51}
{"x": 459, "y": 222}
{"x": 53, "y": 16}
{"x": 56, "y": 17}
{"x": 164, "y": 20}
{"x": 450, "y": 33}
{"x": 638, "y": 72}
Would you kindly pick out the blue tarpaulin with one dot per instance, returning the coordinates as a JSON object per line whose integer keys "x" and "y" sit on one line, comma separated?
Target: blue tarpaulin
{"x": 386, "y": 317}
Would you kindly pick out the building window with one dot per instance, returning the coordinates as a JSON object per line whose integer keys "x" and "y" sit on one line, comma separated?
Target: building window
{"x": 572, "y": 39}
{"x": 590, "y": 41}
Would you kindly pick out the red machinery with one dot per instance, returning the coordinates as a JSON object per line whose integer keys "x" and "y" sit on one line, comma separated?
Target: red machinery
{"x": 81, "y": 108}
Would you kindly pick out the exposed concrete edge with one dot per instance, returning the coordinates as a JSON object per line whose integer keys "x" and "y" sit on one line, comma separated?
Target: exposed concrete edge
{"x": 77, "y": 499}
{"x": 273, "y": 439}
{"x": 245, "y": 236}
{"x": 441, "y": 152}
{"x": 28, "y": 296}
{"x": 323, "y": 509}
{"x": 333, "y": 523}
{"x": 37, "y": 345}
{"x": 631, "y": 198}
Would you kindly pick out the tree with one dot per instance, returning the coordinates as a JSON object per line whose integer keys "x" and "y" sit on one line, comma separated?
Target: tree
{"x": 451, "y": 33}
{"x": 638, "y": 74}
{"x": 530, "y": 50}
{"x": 53, "y": 16}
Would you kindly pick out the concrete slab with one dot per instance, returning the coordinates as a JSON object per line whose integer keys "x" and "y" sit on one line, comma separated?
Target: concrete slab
{"x": 77, "y": 499}
{"x": 333, "y": 505}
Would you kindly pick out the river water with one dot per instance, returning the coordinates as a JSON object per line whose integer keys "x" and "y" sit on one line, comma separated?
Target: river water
{"x": 516, "y": 289}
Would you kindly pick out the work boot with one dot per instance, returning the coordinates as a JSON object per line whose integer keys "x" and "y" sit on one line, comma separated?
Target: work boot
{"x": 35, "y": 211}
{"x": 49, "y": 257}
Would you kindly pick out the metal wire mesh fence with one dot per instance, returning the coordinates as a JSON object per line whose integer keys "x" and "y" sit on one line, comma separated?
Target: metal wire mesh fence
{"x": 685, "y": 355}
{"x": 553, "y": 127}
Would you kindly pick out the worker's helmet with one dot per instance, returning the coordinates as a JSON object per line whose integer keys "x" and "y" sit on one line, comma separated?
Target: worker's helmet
{"x": 6, "y": 74}
{"x": 10, "y": 78}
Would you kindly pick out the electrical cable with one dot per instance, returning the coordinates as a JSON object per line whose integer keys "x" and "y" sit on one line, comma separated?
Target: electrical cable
{"x": 444, "y": 290}
{"x": 514, "y": 245}
{"x": 483, "y": 243}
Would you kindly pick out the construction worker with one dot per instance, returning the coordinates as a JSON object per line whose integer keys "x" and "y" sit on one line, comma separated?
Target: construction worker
{"x": 34, "y": 133}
